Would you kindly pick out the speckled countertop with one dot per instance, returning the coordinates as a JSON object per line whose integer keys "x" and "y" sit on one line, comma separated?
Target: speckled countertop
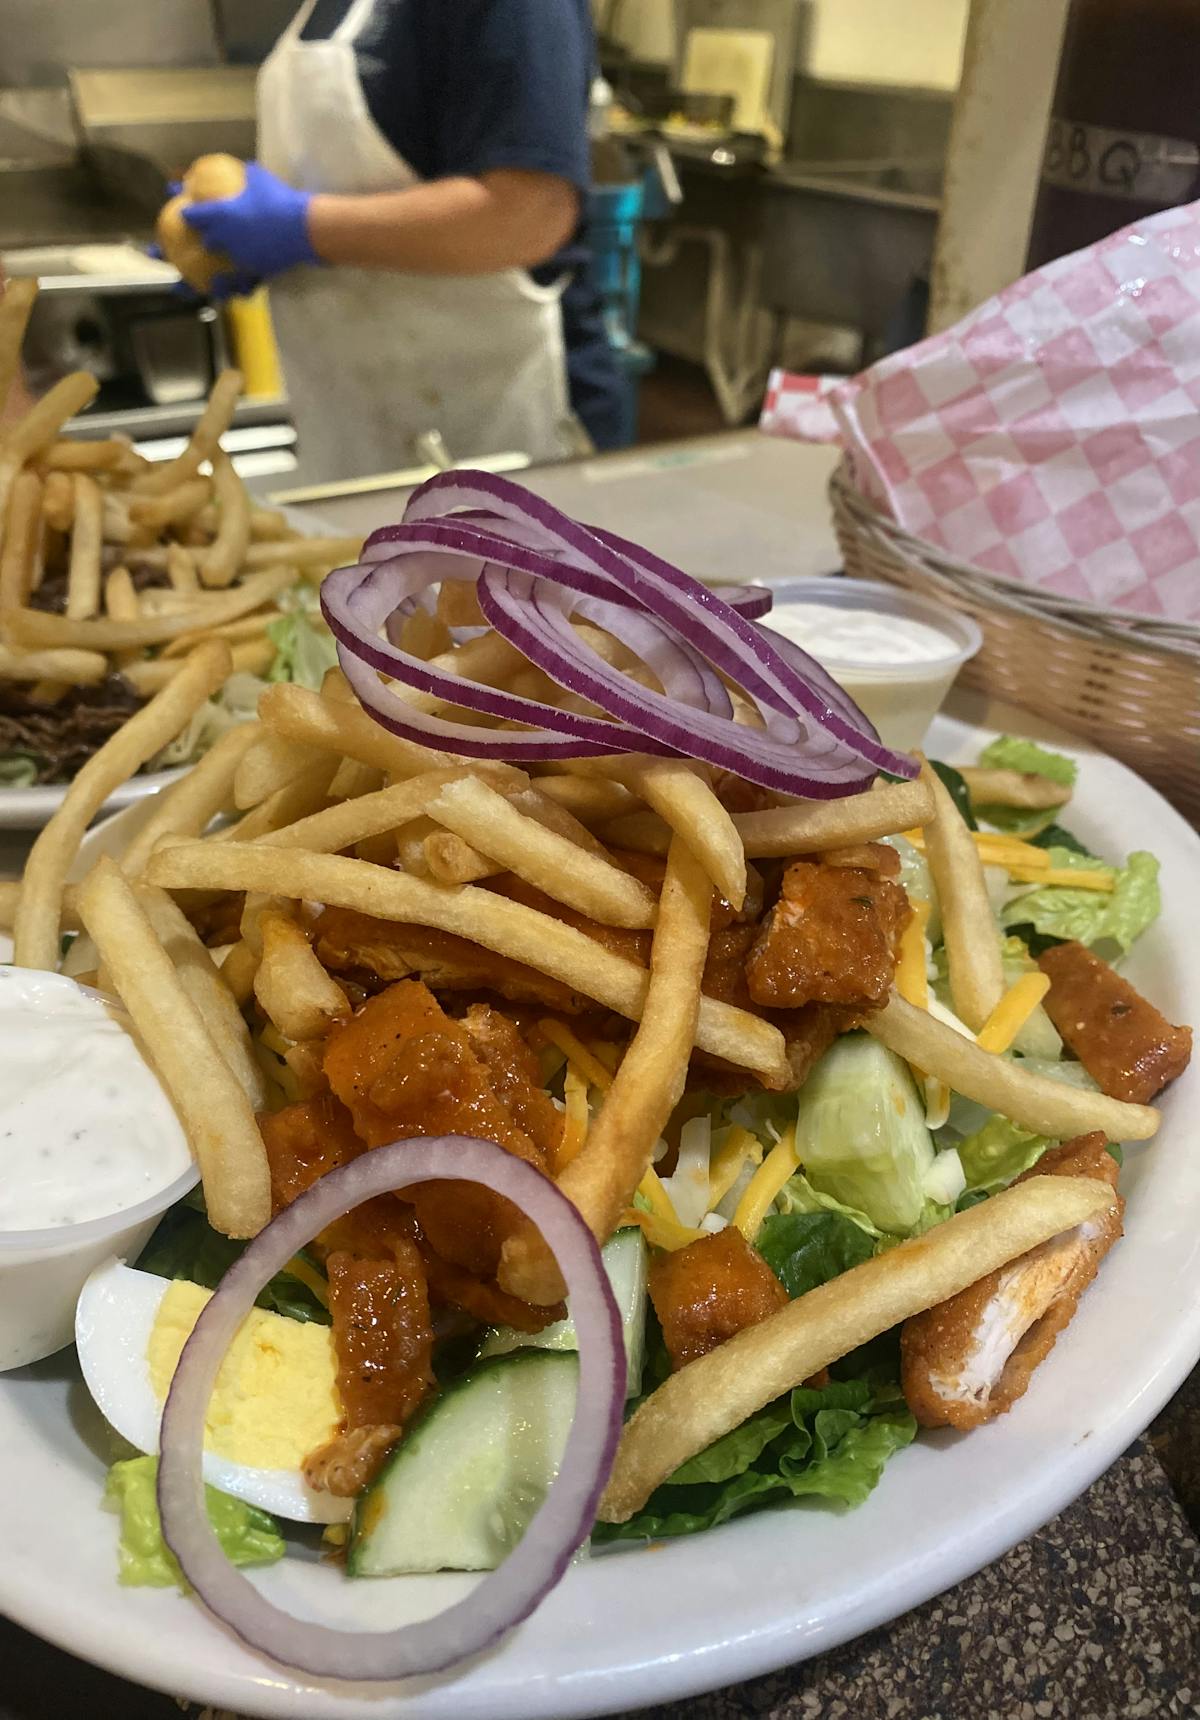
{"x": 1096, "y": 1617}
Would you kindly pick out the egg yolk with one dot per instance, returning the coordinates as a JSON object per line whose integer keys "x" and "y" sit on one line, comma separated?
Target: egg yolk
{"x": 276, "y": 1396}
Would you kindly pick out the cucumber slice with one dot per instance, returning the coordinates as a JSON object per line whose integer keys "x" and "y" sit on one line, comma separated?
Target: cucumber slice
{"x": 462, "y": 1487}
{"x": 624, "y": 1257}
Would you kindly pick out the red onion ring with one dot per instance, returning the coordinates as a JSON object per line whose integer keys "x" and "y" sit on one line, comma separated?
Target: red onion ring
{"x": 562, "y": 1523}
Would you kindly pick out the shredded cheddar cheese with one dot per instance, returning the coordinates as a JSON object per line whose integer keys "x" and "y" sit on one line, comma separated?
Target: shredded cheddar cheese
{"x": 298, "y": 1268}
{"x": 912, "y": 978}
{"x": 780, "y": 1163}
{"x": 1102, "y": 882}
{"x": 665, "y": 1233}
{"x": 728, "y": 1162}
{"x": 1012, "y": 1012}
{"x": 559, "y": 1035}
{"x": 577, "y": 1118}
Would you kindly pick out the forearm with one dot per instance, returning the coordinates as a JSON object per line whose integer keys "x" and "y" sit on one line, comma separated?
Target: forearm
{"x": 447, "y": 227}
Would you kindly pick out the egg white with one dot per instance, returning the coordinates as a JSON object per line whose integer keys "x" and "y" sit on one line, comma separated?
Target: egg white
{"x": 114, "y": 1318}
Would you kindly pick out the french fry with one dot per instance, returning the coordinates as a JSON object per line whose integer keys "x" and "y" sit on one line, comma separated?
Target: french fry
{"x": 201, "y": 980}
{"x": 233, "y": 632}
{"x": 211, "y": 1103}
{"x": 552, "y": 863}
{"x": 717, "y": 1392}
{"x": 368, "y": 815}
{"x": 87, "y": 548}
{"x": 593, "y": 801}
{"x": 238, "y": 964}
{"x": 969, "y": 929}
{"x": 102, "y": 456}
{"x": 1033, "y": 1102}
{"x": 41, "y": 424}
{"x": 291, "y": 986}
{"x": 410, "y": 850}
{"x": 248, "y": 657}
{"x": 173, "y": 507}
{"x": 808, "y": 827}
{"x": 295, "y": 800}
{"x": 507, "y": 927}
{"x": 304, "y": 553}
{"x": 121, "y": 601}
{"x": 351, "y": 779}
{"x": 187, "y": 808}
{"x": 10, "y": 895}
{"x": 545, "y": 811}
{"x": 204, "y": 442}
{"x": 136, "y": 741}
{"x": 218, "y": 564}
{"x": 271, "y": 763}
{"x": 601, "y": 1179}
{"x": 33, "y": 629}
{"x": 58, "y": 501}
{"x": 16, "y": 303}
{"x": 181, "y": 571}
{"x": 1013, "y": 788}
{"x": 680, "y": 794}
{"x": 449, "y": 859}
{"x": 21, "y": 541}
{"x": 269, "y": 525}
{"x": 345, "y": 729}
{"x": 76, "y": 668}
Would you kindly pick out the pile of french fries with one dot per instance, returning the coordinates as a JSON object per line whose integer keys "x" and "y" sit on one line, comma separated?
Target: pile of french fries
{"x": 91, "y": 511}
{"x": 316, "y": 803}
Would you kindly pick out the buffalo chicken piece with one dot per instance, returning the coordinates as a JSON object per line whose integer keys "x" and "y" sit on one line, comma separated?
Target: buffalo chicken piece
{"x": 1126, "y": 1046}
{"x": 383, "y": 1339}
{"x": 706, "y": 1292}
{"x": 969, "y": 1359}
{"x": 834, "y": 934}
{"x": 404, "y": 1068}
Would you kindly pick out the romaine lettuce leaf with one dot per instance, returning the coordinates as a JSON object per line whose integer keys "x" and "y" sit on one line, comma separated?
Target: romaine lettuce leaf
{"x": 997, "y": 1153}
{"x": 185, "y": 1245}
{"x": 247, "y": 1535}
{"x": 804, "y": 1249}
{"x": 1010, "y": 752}
{"x": 1108, "y": 922}
{"x": 955, "y": 783}
{"x": 831, "y": 1442}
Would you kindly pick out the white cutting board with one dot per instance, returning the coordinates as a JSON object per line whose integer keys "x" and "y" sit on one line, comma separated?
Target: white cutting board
{"x": 737, "y": 63}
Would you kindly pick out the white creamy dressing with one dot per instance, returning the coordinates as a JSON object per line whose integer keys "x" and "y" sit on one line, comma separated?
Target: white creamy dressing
{"x": 86, "y": 1128}
{"x": 867, "y": 637}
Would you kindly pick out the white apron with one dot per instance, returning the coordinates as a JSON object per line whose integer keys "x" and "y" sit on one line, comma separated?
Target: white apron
{"x": 372, "y": 358}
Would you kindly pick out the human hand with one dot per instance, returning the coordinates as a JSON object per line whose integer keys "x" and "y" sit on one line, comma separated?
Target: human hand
{"x": 264, "y": 229}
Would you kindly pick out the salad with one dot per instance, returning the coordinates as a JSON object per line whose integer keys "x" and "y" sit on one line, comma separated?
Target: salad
{"x": 602, "y": 1134}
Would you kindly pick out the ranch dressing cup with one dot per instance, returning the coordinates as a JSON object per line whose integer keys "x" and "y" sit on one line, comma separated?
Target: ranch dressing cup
{"x": 896, "y": 654}
{"x": 91, "y": 1154}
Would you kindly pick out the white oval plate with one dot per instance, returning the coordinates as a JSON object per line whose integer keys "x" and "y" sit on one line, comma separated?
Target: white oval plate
{"x": 31, "y": 808}
{"x": 649, "y": 1625}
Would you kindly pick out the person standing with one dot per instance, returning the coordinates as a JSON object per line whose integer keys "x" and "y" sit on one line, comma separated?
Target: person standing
{"x": 417, "y": 209}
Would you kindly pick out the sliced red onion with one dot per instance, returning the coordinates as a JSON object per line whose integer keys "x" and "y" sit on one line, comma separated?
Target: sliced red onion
{"x": 534, "y": 570}
{"x": 562, "y": 1523}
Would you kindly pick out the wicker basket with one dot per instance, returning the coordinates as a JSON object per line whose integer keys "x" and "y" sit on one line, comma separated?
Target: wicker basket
{"x": 1130, "y": 686}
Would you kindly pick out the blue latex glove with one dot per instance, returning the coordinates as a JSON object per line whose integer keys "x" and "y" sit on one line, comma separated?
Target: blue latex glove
{"x": 264, "y": 229}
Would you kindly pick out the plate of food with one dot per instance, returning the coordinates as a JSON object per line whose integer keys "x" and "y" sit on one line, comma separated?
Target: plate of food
{"x": 111, "y": 568}
{"x": 678, "y": 1183}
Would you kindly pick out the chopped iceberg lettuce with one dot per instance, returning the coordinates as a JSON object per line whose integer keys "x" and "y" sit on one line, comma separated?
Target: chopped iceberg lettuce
{"x": 304, "y": 646}
{"x": 994, "y": 1155}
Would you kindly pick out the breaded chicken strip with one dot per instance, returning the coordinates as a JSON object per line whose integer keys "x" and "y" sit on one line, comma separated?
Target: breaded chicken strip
{"x": 969, "y": 1359}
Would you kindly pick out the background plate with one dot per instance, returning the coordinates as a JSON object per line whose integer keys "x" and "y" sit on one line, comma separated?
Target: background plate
{"x": 648, "y": 1625}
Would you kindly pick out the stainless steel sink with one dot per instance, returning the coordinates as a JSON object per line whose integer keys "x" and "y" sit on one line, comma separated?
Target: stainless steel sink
{"x": 845, "y": 240}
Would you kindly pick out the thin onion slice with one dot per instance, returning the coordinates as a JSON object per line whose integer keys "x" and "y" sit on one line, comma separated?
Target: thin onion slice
{"x": 562, "y": 1523}
{"x": 536, "y": 573}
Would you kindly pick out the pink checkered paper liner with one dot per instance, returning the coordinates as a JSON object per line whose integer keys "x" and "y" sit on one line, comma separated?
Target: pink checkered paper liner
{"x": 1052, "y": 436}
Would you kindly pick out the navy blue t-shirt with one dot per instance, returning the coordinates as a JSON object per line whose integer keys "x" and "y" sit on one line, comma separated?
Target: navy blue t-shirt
{"x": 472, "y": 86}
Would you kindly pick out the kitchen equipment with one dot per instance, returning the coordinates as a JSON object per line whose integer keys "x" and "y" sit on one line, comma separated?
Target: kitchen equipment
{"x": 731, "y": 66}
{"x": 140, "y": 127}
{"x": 746, "y": 48}
{"x": 1131, "y": 686}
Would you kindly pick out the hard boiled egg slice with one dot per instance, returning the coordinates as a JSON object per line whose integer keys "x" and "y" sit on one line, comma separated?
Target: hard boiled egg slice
{"x": 275, "y": 1398}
